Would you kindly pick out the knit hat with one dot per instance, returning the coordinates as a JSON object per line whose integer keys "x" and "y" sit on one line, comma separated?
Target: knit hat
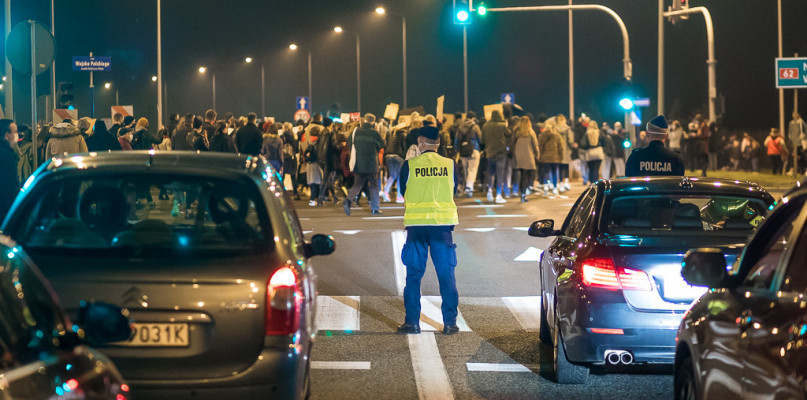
{"x": 657, "y": 128}
{"x": 429, "y": 132}
{"x": 326, "y": 122}
{"x": 128, "y": 120}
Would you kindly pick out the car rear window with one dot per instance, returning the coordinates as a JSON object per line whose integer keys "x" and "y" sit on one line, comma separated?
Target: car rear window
{"x": 684, "y": 215}
{"x": 144, "y": 215}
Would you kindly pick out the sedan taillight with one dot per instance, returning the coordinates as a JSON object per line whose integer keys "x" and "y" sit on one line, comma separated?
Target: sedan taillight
{"x": 600, "y": 272}
{"x": 284, "y": 301}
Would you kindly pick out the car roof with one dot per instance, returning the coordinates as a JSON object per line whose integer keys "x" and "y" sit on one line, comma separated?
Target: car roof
{"x": 655, "y": 184}
{"x": 178, "y": 161}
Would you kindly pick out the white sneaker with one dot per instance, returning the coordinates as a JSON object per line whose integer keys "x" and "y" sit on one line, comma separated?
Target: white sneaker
{"x": 312, "y": 203}
{"x": 500, "y": 199}
{"x": 566, "y": 186}
{"x": 384, "y": 196}
{"x": 555, "y": 191}
{"x": 399, "y": 200}
{"x": 490, "y": 195}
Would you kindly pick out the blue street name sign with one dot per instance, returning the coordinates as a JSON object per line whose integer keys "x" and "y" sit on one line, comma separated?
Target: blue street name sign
{"x": 508, "y": 98}
{"x": 302, "y": 103}
{"x": 84, "y": 63}
{"x": 791, "y": 73}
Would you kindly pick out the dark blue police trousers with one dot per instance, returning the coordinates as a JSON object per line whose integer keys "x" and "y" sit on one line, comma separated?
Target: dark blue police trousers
{"x": 444, "y": 256}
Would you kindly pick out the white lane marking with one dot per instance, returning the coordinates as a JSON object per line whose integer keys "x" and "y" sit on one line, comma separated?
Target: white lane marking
{"x": 392, "y": 217}
{"x": 307, "y": 232}
{"x": 304, "y": 219}
{"x": 431, "y": 317}
{"x": 398, "y": 240}
{"x": 480, "y": 206}
{"x": 430, "y": 373}
{"x": 338, "y": 313}
{"x": 563, "y": 196}
{"x": 521, "y": 228}
{"x": 567, "y": 205}
{"x": 501, "y": 216}
{"x": 340, "y": 364}
{"x": 348, "y": 232}
{"x": 531, "y": 254}
{"x": 527, "y": 310}
{"x": 480, "y": 229}
{"x": 485, "y": 367}
{"x": 392, "y": 207}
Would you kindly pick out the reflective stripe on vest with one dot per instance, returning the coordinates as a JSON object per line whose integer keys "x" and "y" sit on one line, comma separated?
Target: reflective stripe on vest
{"x": 429, "y": 197}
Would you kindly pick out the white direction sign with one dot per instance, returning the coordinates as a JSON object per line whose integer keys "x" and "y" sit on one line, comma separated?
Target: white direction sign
{"x": 508, "y": 98}
{"x": 302, "y": 103}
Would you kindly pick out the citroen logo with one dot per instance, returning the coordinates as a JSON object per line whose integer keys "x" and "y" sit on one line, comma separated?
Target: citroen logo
{"x": 134, "y": 296}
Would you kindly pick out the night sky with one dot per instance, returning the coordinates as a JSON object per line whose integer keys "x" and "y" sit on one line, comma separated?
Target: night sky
{"x": 522, "y": 53}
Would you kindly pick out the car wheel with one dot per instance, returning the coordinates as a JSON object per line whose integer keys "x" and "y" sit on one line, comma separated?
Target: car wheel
{"x": 544, "y": 334}
{"x": 684, "y": 382}
{"x": 565, "y": 372}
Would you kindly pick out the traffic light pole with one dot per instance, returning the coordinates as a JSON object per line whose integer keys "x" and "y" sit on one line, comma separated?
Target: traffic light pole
{"x": 9, "y": 84}
{"x": 33, "y": 128}
{"x": 711, "y": 62}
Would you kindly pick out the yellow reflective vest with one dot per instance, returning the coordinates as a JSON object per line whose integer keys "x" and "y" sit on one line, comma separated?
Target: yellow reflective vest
{"x": 429, "y": 197}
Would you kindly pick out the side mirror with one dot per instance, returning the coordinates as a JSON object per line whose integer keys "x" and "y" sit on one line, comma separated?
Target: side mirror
{"x": 543, "y": 228}
{"x": 103, "y": 323}
{"x": 320, "y": 245}
{"x": 705, "y": 267}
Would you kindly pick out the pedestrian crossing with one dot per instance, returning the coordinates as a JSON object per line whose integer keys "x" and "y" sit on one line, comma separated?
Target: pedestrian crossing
{"x": 379, "y": 314}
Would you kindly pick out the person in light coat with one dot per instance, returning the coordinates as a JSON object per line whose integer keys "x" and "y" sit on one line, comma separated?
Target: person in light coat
{"x": 525, "y": 156}
{"x": 65, "y": 138}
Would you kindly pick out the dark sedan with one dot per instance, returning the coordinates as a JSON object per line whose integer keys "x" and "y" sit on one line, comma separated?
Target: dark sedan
{"x": 747, "y": 336}
{"x": 205, "y": 251}
{"x": 43, "y": 355}
{"x": 611, "y": 285}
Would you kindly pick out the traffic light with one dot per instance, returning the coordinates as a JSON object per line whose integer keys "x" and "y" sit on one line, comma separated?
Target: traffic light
{"x": 64, "y": 98}
{"x": 626, "y": 103}
{"x": 482, "y": 10}
{"x": 678, "y": 5}
{"x": 462, "y": 12}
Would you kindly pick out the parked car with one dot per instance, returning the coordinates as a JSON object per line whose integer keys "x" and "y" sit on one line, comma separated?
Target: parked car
{"x": 747, "y": 336}
{"x": 205, "y": 251}
{"x": 611, "y": 286}
{"x": 43, "y": 355}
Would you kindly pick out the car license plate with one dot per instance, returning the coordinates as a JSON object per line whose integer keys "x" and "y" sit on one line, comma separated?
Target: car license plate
{"x": 676, "y": 289}
{"x": 158, "y": 335}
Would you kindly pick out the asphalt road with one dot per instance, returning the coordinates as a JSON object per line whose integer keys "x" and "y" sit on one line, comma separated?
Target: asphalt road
{"x": 496, "y": 355}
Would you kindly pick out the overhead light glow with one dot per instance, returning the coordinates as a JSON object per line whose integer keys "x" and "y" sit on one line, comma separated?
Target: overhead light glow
{"x": 154, "y": 78}
{"x": 380, "y": 10}
{"x": 248, "y": 60}
{"x": 107, "y": 85}
{"x": 293, "y": 46}
{"x": 202, "y": 70}
{"x": 337, "y": 29}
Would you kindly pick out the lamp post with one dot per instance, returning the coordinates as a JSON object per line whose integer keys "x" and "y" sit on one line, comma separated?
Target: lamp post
{"x": 294, "y": 47}
{"x": 249, "y": 60}
{"x": 203, "y": 70}
{"x": 382, "y": 11}
{"x": 338, "y": 29}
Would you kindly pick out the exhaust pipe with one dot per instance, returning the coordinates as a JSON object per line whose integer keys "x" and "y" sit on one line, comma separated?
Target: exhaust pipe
{"x": 626, "y": 358}
{"x": 617, "y": 357}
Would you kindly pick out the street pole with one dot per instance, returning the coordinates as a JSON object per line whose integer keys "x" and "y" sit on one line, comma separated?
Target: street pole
{"x": 711, "y": 62}
{"x": 796, "y": 95}
{"x": 310, "y": 103}
{"x": 160, "y": 66}
{"x": 117, "y": 102}
{"x": 9, "y": 73}
{"x": 33, "y": 86}
{"x": 214, "y": 90}
{"x": 781, "y": 90}
{"x": 660, "y": 76}
{"x": 464, "y": 64}
{"x": 571, "y": 68}
{"x": 48, "y": 112}
{"x": 263, "y": 90}
{"x": 404, "y": 64}
{"x": 92, "y": 94}
{"x": 358, "y": 74}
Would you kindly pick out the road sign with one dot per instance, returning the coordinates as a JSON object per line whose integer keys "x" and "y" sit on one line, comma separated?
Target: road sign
{"x": 125, "y": 111}
{"x": 355, "y": 117}
{"x": 636, "y": 117}
{"x": 18, "y": 47}
{"x": 302, "y": 115}
{"x": 508, "y": 98}
{"x": 643, "y": 102}
{"x": 85, "y": 63}
{"x": 61, "y": 114}
{"x": 302, "y": 103}
{"x": 791, "y": 72}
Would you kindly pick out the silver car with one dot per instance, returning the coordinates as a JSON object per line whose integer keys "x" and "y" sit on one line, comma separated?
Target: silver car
{"x": 204, "y": 250}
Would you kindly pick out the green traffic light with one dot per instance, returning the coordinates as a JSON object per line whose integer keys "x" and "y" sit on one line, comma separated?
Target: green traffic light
{"x": 482, "y": 10}
{"x": 626, "y": 103}
{"x": 462, "y": 16}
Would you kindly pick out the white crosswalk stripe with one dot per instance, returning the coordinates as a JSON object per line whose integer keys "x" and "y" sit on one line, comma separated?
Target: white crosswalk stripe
{"x": 526, "y": 310}
{"x": 338, "y": 313}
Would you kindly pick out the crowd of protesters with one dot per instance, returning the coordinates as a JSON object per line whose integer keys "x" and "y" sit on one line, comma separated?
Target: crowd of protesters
{"x": 329, "y": 160}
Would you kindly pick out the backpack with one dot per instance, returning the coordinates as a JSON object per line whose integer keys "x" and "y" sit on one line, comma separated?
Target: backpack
{"x": 466, "y": 145}
{"x": 288, "y": 151}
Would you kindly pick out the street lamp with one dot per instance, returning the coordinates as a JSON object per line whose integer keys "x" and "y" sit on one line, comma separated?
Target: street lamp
{"x": 382, "y": 11}
{"x": 203, "y": 70}
{"x": 154, "y": 78}
{"x": 249, "y": 60}
{"x": 108, "y": 86}
{"x": 294, "y": 47}
{"x": 338, "y": 29}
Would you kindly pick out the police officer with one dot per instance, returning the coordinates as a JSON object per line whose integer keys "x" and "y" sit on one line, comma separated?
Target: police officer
{"x": 427, "y": 183}
{"x": 655, "y": 159}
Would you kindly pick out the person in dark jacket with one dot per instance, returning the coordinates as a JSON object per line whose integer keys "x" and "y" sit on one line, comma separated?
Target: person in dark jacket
{"x": 291, "y": 147}
{"x": 9, "y": 160}
{"x": 220, "y": 141}
{"x": 143, "y": 140}
{"x": 179, "y": 137}
{"x": 101, "y": 139}
{"x": 496, "y": 137}
{"x": 198, "y": 136}
{"x": 117, "y": 122}
{"x": 394, "y": 154}
{"x": 655, "y": 159}
{"x": 248, "y": 139}
{"x": 327, "y": 158}
{"x": 272, "y": 147}
{"x": 368, "y": 144}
